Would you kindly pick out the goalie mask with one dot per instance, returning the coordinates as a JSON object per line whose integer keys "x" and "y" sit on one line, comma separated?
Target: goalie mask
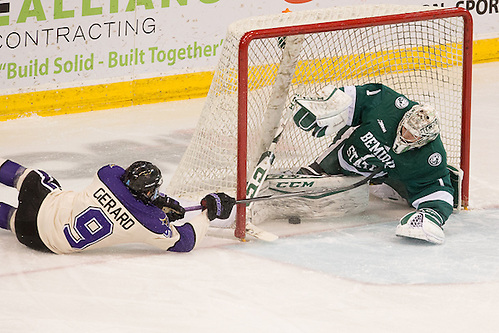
{"x": 419, "y": 126}
{"x": 143, "y": 179}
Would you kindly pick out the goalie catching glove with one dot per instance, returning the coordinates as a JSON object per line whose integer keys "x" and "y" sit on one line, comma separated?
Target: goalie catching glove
{"x": 219, "y": 205}
{"x": 325, "y": 114}
{"x": 174, "y": 211}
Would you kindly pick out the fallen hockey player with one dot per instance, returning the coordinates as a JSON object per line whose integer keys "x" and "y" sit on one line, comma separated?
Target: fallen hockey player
{"x": 119, "y": 206}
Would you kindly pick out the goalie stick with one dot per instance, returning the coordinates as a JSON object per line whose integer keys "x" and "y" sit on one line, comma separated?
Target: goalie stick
{"x": 265, "y": 163}
{"x": 256, "y": 181}
{"x": 275, "y": 119}
{"x": 291, "y": 46}
{"x": 255, "y": 184}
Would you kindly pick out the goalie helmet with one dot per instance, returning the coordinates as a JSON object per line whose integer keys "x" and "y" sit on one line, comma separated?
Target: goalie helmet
{"x": 419, "y": 126}
{"x": 143, "y": 179}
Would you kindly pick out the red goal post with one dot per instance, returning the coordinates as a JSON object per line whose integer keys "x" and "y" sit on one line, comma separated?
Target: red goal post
{"x": 243, "y": 67}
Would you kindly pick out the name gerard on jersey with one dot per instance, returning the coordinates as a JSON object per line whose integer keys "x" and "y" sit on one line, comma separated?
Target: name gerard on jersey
{"x": 113, "y": 208}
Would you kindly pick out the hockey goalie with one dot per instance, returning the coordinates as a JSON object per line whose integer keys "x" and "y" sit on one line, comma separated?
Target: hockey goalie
{"x": 375, "y": 132}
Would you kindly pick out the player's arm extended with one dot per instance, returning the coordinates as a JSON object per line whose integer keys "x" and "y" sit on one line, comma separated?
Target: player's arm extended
{"x": 215, "y": 205}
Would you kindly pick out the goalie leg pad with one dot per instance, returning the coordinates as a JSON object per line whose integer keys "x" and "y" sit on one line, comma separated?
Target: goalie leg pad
{"x": 424, "y": 224}
{"x": 310, "y": 207}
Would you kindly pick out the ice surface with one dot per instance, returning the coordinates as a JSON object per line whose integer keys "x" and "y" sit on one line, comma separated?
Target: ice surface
{"x": 351, "y": 275}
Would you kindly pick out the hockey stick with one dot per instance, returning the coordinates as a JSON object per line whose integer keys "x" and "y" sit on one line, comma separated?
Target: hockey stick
{"x": 264, "y": 163}
{"x": 275, "y": 124}
{"x": 302, "y": 193}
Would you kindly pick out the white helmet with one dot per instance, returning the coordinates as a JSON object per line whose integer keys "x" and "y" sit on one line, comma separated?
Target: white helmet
{"x": 419, "y": 126}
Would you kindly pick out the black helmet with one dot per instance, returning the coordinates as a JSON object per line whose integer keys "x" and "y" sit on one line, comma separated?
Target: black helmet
{"x": 143, "y": 179}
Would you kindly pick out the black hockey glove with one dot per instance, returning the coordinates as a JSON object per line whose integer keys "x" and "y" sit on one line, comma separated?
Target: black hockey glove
{"x": 170, "y": 206}
{"x": 219, "y": 205}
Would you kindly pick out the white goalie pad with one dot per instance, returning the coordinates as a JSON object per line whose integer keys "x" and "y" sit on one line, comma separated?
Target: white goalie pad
{"x": 330, "y": 106}
{"x": 309, "y": 207}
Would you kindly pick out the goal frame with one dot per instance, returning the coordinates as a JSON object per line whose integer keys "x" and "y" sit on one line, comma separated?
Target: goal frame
{"x": 242, "y": 97}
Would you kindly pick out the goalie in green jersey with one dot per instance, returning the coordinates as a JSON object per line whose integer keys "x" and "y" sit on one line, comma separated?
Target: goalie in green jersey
{"x": 375, "y": 126}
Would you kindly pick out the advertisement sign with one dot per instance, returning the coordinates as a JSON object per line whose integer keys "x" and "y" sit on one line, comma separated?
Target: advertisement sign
{"x": 56, "y": 44}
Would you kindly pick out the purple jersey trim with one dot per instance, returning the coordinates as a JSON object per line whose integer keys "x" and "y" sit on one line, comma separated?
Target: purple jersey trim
{"x": 151, "y": 217}
{"x": 187, "y": 239}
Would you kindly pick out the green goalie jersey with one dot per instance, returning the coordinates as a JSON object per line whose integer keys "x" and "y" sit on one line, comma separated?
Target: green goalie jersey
{"x": 420, "y": 175}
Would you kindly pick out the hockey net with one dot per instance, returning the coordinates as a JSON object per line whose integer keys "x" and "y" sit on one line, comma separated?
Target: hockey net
{"x": 422, "y": 52}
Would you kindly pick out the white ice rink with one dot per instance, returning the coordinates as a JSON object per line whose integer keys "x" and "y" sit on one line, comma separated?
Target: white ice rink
{"x": 352, "y": 275}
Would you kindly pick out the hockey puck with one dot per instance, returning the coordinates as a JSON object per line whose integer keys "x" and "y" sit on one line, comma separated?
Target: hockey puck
{"x": 294, "y": 220}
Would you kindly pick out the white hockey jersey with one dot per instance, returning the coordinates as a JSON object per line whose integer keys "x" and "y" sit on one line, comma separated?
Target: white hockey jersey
{"x": 106, "y": 214}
